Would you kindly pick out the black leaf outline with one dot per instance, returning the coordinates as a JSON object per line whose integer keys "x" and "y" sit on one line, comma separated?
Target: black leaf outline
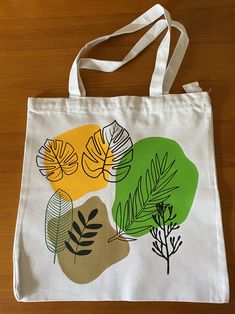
{"x": 81, "y": 240}
{"x": 58, "y": 218}
{"x": 99, "y": 159}
{"x": 140, "y": 207}
{"x": 164, "y": 220}
{"x": 60, "y": 158}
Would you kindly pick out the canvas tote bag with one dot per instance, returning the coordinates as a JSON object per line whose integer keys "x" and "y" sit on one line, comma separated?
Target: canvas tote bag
{"x": 119, "y": 198}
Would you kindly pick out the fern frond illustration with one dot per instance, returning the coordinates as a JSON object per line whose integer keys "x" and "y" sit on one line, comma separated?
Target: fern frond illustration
{"x": 106, "y": 151}
{"x": 80, "y": 239}
{"x": 58, "y": 219}
{"x": 55, "y": 159}
{"x": 135, "y": 216}
{"x": 165, "y": 226}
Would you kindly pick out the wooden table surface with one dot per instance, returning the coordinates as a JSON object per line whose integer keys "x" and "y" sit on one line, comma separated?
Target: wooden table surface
{"x": 38, "y": 42}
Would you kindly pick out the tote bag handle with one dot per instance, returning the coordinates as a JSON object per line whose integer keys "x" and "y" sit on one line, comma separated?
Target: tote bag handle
{"x": 163, "y": 75}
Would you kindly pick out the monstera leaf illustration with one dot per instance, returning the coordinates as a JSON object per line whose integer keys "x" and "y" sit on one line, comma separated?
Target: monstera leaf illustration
{"x": 56, "y": 158}
{"x": 106, "y": 151}
{"x": 58, "y": 220}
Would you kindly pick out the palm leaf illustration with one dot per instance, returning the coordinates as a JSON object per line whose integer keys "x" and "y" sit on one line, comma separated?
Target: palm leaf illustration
{"x": 56, "y": 158}
{"x": 106, "y": 151}
{"x": 135, "y": 216}
{"x": 58, "y": 220}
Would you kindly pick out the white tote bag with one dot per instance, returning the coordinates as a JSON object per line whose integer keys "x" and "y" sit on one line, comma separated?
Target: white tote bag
{"x": 119, "y": 198}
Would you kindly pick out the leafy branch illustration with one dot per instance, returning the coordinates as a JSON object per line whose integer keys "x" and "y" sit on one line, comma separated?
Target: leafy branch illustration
{"x": 81, "y": 234}
{"x": 107, "y": 151}
{"x": 139, "y": 207}
{"x": 55, "y": 159}
{"x": 58, "y": 219}
{"x": 164, "y": 220}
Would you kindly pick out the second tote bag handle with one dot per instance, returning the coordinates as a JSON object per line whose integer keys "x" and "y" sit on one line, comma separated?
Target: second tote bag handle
{"x": 163, "y": 74}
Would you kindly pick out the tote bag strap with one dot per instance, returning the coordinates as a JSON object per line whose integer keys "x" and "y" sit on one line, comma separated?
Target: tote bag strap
{"x": 163, "y": 75}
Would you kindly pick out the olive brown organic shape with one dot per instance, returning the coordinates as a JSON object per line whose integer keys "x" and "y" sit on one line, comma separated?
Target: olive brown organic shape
{"x": 99, "y": 253}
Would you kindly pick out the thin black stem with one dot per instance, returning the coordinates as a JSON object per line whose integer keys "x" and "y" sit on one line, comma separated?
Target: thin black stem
{"x": 75, "y": 255}
{"x": 54, "y": 258}
{"x": 57, "y": 232}
{"x": 116, "y": 236}
{"x": 166, "y": 244}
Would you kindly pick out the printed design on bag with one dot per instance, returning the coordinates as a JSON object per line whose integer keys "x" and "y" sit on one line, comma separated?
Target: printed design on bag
{"x": 58, "y": 220}
{"x": 106, "y": 151}
{"x": 134, "y": 217}
{"x": 169, "y": 176}
{"x": 78, "y": 243}
{"x": 163, "y": 218}
{"x": 155, "y": 185}
{"x": 88, "y": 267}
{"x": 55, "y": 159}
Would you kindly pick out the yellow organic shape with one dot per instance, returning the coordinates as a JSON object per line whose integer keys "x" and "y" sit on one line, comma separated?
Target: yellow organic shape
{"x": 79, "y": 183}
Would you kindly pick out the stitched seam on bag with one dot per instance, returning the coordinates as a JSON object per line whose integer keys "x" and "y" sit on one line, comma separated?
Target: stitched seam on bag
{"x": 208, "y": 176}
{"x": 22, "y": 208}
{"x": 219, "y": 224}
{"x": 212, "y": 201}
{"x": 140, "y": 109}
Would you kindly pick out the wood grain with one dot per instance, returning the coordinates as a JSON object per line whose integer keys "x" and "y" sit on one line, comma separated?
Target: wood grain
{"x": 38, "y": 42}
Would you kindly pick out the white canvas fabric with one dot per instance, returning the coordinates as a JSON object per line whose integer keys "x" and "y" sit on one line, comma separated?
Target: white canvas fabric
{"x": 119, "y": 198}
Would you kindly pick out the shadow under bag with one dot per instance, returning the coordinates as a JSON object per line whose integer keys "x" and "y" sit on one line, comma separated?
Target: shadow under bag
{"x": 119, "y": 198}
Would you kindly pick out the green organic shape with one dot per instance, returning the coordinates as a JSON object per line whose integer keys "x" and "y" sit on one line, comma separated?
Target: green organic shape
{"x": 160, "y": 172}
